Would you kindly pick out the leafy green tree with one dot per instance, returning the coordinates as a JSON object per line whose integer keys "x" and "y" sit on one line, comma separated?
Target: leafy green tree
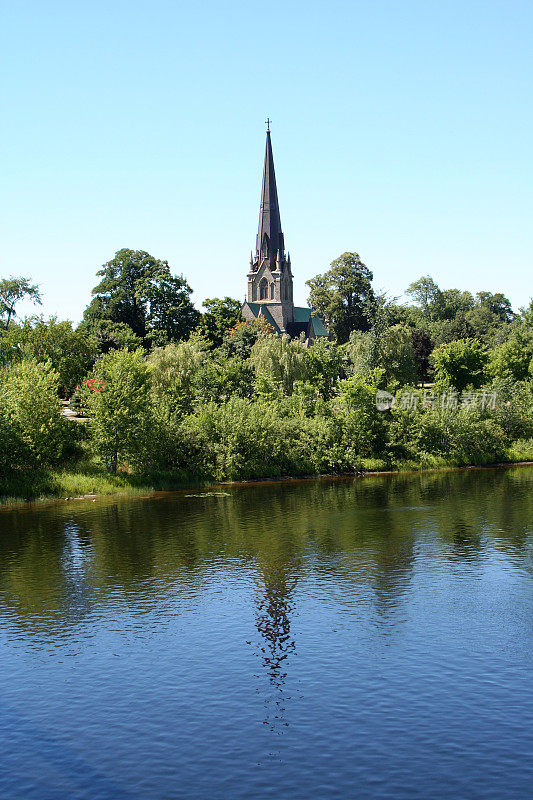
{"x": 460, "y": 364}
{"x": 484, "y": 324}
{"x": 512, "y": 359}
{"x": 279, "y": 361}
{"x": 71, "y": 352}
{"x": 422, "y": 348}
{"x": 220, "y": 317}
{"x": 390, "y": 351}
{"x": 425, "y": 292}
{"x": 139, "y": 290}
{"x": 398, "y": 355}
{"x": 110, "y": 335}
{"x": 343, "y": 296}
{"x": 452, "y": 302}
{"x": 239, "y": 340}
{"x": 31, "y": 424}
{"x": 325, "y": 361}
{"x": 498, "y": 304}
{"x": 220, "y": 378}
{"x": 12, "y": 291}
{"x": 119, "y": 408}
{"x": 363, "y": 428}
{"x": 173, "y": 371}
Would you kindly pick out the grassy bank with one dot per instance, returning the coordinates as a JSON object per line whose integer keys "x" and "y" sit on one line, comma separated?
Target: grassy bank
{"x": 88, "y": 478}
{"x": 80, "y": 479}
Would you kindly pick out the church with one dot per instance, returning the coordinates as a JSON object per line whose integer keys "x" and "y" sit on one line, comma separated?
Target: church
{"x": 270, "y": 277}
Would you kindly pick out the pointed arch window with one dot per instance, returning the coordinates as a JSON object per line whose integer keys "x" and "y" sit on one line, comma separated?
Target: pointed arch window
{"x": 263, "y": 289}
{"x": 271, "y": 291}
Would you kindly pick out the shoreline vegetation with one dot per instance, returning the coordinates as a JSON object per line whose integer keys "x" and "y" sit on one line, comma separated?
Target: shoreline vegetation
{"x": 75, "y": 485}
{"x": 163, "y": 397}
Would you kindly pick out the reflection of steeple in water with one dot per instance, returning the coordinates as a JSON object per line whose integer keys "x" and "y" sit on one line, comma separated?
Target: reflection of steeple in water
{"x": 274, "y": 605}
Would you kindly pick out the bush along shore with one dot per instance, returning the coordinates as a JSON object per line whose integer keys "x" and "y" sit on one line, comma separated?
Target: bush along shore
{"x": 167, "y": 396}
{"x": 168, "y": 420}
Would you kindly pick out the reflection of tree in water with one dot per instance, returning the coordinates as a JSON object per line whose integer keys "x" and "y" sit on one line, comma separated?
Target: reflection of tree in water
{"x": 274, "y": 605}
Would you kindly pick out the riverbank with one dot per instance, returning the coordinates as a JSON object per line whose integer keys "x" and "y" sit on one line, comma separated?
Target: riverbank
{"x": 90, "y": 480}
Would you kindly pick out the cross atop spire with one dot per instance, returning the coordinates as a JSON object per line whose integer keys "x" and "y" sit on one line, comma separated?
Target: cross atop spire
{"x": 267, "y": 123}
{"x": 269, "y": 233}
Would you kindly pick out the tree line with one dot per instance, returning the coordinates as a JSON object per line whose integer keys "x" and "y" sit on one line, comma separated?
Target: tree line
{"x": 167, "y": 389}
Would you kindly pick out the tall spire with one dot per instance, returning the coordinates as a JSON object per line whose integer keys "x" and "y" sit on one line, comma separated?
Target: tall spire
{"x": 269, "y": 234}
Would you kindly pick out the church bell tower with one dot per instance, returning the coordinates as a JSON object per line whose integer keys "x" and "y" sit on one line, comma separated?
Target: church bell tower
{"x": 270, "y": 276}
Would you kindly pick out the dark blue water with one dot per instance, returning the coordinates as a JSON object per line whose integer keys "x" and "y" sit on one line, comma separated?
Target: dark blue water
{"x": 330, "y": 639}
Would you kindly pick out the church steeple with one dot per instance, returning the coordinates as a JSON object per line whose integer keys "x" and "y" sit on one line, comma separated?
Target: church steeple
{"x": 269, "y": 235}
{"x": 270, "y": 289}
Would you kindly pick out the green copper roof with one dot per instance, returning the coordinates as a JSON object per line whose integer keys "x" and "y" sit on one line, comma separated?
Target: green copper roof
{"x": 302, "y": 314}
{"x": 262, "y": 308}
{"x": 319, "y": 327}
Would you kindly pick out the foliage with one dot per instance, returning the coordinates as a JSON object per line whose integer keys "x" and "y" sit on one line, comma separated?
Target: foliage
{"x": 390, "y": 351}
{"x": 363, "y": 426}
{"x": 343, "y": 296}
{"x": 173, "y": 371}
{"x": 513, "y": 358}
{"x": 230, "y": 399}
{"x": 239, "y": 340}
{"x": 422, "y": 349}
{"x": 278, "y": 362}
{"x": 220, "y": 378}
{"x": 459, "y": 364}
{"x": 425, "y": 292}
{"x": 325, "y": 362}
{"x": 32, "y": 430}
{"x": 120, "y": 410}
{"x": 220, "y": 317}
{"x": 139, "y": 290}
{"x": 71, "y": 352}
{"x": 12, "y": 291}
{"x": 110, "y": 335}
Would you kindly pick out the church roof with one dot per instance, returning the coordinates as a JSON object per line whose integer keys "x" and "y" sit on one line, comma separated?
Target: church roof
{"x": 319, "y": 327}
{"x": 261, "y": 309}
{"x": 302, "y": 318}
{"x": 269, "y": 229}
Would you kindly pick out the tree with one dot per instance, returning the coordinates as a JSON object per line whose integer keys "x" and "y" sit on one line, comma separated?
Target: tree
{"x": 71, "y": 352}
{"x": 343, "y": 295}
{"x": 497, "y": 303}
{"x": 324, "y": 366}
{"x": 389, "y": 350}
{"x": 110, "y": 335}
{"x": 459, "y": 364}
{"x": 220, "y": 317}
{"x": 422, "y": 347}
{"x": 12, "y": 291}
{"x": 173, "y": 370}
{"x": 513, "y": 358}
{"x": 452, "y": 303}
{"x": 139, "y": 290}
{"x": 279, "y": 362}
{"x": 30, "y": 415}
{"x": 239, "y": 340}
{"x": 119, "y": 407}
{"x": 425, "y": 292}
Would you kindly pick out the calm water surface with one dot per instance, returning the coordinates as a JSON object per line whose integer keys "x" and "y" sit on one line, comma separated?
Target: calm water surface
{"x": 330, "y": 639}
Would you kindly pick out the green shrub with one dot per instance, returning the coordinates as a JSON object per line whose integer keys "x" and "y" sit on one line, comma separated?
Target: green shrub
{"x": 119, "y": 408}
{"x": 459, "y": 364}
{"x": 32, "y": 430}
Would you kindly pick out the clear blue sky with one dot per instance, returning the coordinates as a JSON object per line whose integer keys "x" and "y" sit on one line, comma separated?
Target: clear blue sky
{"x": 402, "y": 130}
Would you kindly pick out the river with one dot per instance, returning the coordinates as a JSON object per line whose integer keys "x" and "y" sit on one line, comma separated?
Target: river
{"x": 365, "y": 638}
